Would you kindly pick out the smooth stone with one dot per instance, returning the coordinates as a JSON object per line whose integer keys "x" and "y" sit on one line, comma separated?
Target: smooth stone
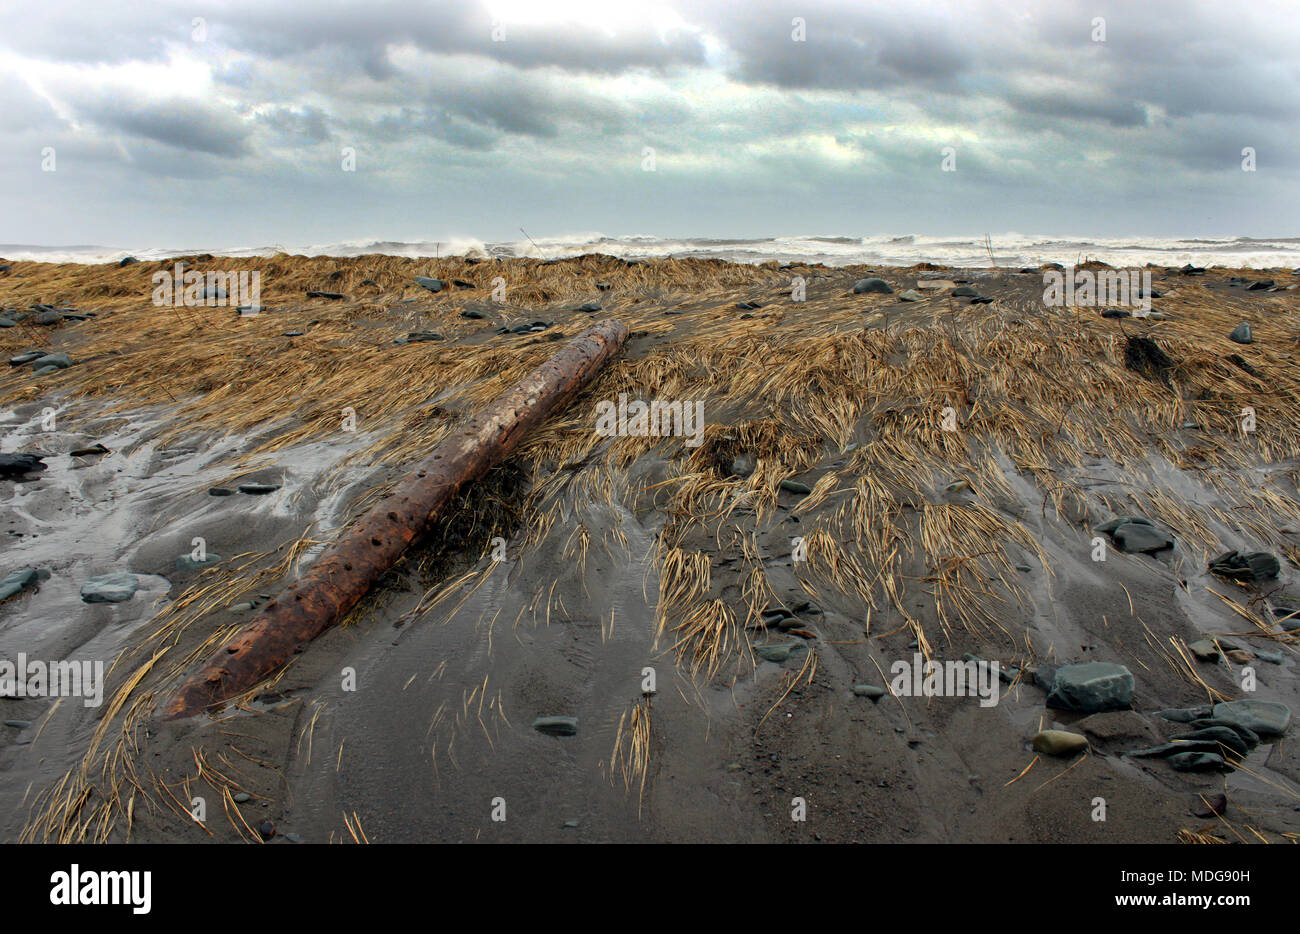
{"x": 865, "y": 286}
{"x": 220, "y": 491}
{"x": 957, "y": 486}
{"x": 743, "y": 465}
{"x": 1225, "y": 736}
{"x": 1273, "y": 658}
{"x": 60, "y": 360}
{"x": 1267, "y": 718}
{"x": 1260, "y": 286}
{"x": 294, "y": 333}
{"x": 16, "y": 465}
{"x": 18, "y": 581}
{"x": 939, "y": 284}
{"x": 1091, "y": 687}
{"x": 1197, "y": 762}
{"x": 18, "y": 724}
{"x": 331, "y": 295}
{"x": 472, "y": 315}
{"x": 240, "y": 607}
{"x": 242, "y": 797}
{"x": 110, "y": 588}
{"x": 1255, "y": 566}
{"x": 1242, "y": 334}
{"x": 43, "y": 370}
{"x": 258, "y": 489}
{"x": 777, "y": 652}
{"x": 94, "y": 451}
{"x": 418, "y": 337}
{"x": 794, "y": 486}
{"x": 8, "y": 323}
{"x": 1205, "y": 650}
{"x": 127, "y": 261}
{"x": 911, "y": 295}
{"x": 965, "y": 291}
{"x": 433, "y": 285}
{"x": 1185, "y": 714}
{"x": 1212, "y": 806}
{"x": 589, "y": 306}
{"x": 1137, "y": 538}
{"x": 1116, "y": 313}
{"x": 266, "y": 829}
{"x": 556, "y": 726}
{"x": 981, "y": 300}
{"x": 869, "y": 690}
{"x": 187, "y": 563}
{"x": 1059, "y": 742}
{"x": 47, "y": 317}
{"x": 604, "y": 286}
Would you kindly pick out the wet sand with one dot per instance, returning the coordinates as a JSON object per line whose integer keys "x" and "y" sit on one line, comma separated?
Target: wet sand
{"x": 413, "y": 722}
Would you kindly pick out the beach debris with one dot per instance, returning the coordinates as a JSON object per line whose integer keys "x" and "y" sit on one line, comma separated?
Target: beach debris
{"x": 1059, "y": 742}
{"x": 604, "y": 286}
{"x": 1143, "y": 355}
{"x": 1136, "y": 534}
{"x": 748, "y": 306}
{"x": 20, "y": 465}
{"x": 18, "y": 581}
{"x": 872, "y": 691}
{"x": 1260, "y": 286}
{"x": 110, "y": 588}
{"x": 1242, "y": 334}
{"x": 957, "y": 486}
{"x": 257, "y": 489}
{"x": 1091, "y": 687}
{"x": 433, "y": 285}
{"x": 347, "y": 569}
{"x": 1255, "y": 566}
{"x": 870, "y": 285}
{"x": 936, "y": 284}
{"x": 556, "y": 725}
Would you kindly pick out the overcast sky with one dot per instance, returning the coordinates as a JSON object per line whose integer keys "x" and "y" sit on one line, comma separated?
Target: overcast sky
{"x": 224, "y": 124}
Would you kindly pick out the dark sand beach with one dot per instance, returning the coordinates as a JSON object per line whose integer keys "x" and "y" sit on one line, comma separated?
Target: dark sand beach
{"x": 906, "y": 479}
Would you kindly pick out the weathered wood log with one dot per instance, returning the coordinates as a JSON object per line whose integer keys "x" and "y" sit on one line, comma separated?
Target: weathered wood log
{"x": 343, "y": 574}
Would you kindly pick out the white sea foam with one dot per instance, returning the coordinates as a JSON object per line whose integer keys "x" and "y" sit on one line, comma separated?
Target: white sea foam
{"x": 1008, "y": 249}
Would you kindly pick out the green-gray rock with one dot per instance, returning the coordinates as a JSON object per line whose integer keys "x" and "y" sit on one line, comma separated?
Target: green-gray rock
{"x": 794, "y": 486}
{"x": 110, "y": 588}
{"x": 188, "y": 563}
{"x": 778, "y": 652}
{"x": 911, "y": 295}
{"x": 869, "y": 690}
{"x": 1266, "y": 718}
{"x": 1223, "y": 735}
{"x": 1091, "y": 687}
{"x": 1241, "y": 334}
{"x": 1204, "y": 649}
{"x": 17, "y": 582}
{"x": 863, "y": 286}
{"x": 1197, "y": 762}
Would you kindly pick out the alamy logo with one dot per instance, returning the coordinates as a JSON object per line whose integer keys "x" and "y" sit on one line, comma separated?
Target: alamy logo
{"x": 919, "y": 678}
{"x": 25, "y": 678}
{"x": 1082, "y": 288}
{"x": 103, "y": 887}
{"x": 193, "y": 289}
{"x": 654, "y": 419}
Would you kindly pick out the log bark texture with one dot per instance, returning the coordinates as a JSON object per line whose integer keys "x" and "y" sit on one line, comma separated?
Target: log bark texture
{"x": 343, "y": 574}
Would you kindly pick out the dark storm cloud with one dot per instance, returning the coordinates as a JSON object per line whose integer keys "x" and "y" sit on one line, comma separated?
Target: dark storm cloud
{"x": 180, "y": 124}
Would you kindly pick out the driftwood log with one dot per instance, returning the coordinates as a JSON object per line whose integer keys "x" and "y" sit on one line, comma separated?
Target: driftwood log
{"x": 343, "y": 574}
